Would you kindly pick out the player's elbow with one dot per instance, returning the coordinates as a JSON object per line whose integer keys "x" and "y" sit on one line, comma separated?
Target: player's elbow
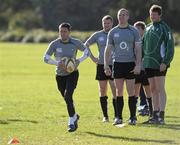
{"x": 45, "y": 59}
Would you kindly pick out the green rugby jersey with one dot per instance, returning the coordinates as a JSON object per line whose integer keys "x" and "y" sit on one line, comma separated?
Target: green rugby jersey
{"x": 158, "y": 45}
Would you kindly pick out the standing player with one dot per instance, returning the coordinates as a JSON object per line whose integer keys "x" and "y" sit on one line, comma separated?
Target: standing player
{"x": 126, "y": 42}
{"x": 100, "y": 39}
{"x": 142, "y": 79}
{"x": 158, "y": 49}
{"x": 66, "y": 46}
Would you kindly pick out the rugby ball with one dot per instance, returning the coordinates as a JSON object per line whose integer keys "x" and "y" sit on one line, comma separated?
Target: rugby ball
{"x": 70, "y": 64}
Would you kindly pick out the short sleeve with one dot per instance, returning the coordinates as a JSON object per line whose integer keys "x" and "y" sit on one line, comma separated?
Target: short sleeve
{"x": 92, "y": 39}
{"x": 110, "y": 38}
{"x": 137, "y": 36}
{"x": 80, "y": 45}
{"x": 50, "y": 49}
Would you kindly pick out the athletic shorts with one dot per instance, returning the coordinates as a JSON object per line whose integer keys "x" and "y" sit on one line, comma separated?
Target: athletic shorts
{"x": 67, "y": 83}
{"x": 154, "y": 72}
{"x": 142, "y": 78}
{"x": 100, "y": 74}
{"x": 123, "y": 70}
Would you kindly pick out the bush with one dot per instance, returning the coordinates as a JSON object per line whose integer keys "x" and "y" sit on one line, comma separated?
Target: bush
{"x": 7, "y": 37}
{"x": 28, "y": 38}
{"x": 44, "y": 36}
{"x": 24, "y": 20}
{"x": 3, "y": 22}
{"x": 38, "y": 35}
{"x": 41, "y": 36}
{"x": 12, "y": 36}
{"x": 82, "y": 35}
{"x": 177, "y": 38}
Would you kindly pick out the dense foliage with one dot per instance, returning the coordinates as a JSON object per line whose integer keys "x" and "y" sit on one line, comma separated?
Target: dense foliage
{"x": 82, "y": 14}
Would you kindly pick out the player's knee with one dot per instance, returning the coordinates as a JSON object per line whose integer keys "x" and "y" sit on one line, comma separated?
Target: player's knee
{"x": 136, "y": 92}
{"x": 68, "y": 97}
{"x": 148, "y": 92}
{"x": 131, "y": 93}
{"x": 68, "y": 100}
{"x": 102, "y": 91}
{"x": 69, "y": 92}
{"x": 158, "y": 90}
{"x": 153, "y": 89}
{"x": 161, "y": 91}
{"x": 119, "y": 92}
{"x": 113, "y": 89}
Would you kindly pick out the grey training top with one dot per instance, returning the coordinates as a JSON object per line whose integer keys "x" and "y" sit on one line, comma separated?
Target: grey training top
{"x": 123, "y": 40}
{"x": 61, "y": 49}
{"x": 100, "y": 38}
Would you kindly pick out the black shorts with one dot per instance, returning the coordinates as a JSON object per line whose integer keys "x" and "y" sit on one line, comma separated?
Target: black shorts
{"x": 67, "y": 84}
{"x": 154, "y": 72}
{"x": 142, "y": 78}
{"x": 100, "y": 75}
{"x": 123, "y": 70}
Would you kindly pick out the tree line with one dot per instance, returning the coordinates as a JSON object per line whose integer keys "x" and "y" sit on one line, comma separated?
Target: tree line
{"x": 84, "y": 15}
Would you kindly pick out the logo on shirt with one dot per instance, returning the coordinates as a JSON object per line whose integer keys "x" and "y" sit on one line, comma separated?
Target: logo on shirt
{"x": 116, "y": 35}
{"x": 123, "y": 45}
{"x": 169, "y": 34}
{"x": 148, "y": 28}
{"x": 59, "y": 49}
{"x": 101, "y": 38}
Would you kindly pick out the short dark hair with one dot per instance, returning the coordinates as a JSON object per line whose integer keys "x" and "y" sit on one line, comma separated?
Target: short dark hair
{"x": 140, "y": 24}
{"x": 107, "y": 17}
{"x": 65, "y": 25}
{"x": 156, "y": 8}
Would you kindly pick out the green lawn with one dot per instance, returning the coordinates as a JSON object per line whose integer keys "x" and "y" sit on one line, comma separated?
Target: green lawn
{"x": 32, "y": 109}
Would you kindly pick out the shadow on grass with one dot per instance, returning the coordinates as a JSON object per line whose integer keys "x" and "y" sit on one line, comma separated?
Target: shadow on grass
{"x": 172, "y": 117}
{"x": 4, "y": 122}
{"x": 166, "y": 126}
{"x": 131, "y": 139}
{"x": 8, "y": 121}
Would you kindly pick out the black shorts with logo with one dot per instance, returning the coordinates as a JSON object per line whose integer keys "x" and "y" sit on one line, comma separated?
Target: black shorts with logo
{"x": 100, "y": 74}
{"x": 142, "y": 78}
{"x": 154, "y": 72}
{"x": 123, "y": 70}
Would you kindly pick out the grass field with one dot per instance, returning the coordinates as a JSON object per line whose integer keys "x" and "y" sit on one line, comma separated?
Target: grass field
{"x": 32, "y": 110}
